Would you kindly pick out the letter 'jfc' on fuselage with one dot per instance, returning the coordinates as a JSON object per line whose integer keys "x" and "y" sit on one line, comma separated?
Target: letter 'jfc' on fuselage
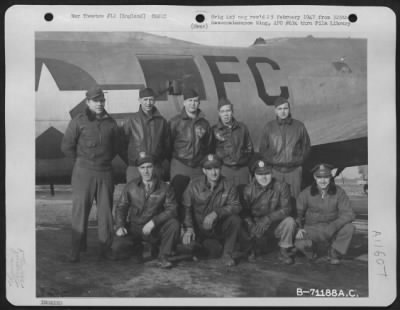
{"x": 325, "y": 80}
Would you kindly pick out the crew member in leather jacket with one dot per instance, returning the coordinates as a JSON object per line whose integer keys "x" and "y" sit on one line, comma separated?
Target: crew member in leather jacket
{"x": 149, "y": 205}
{"x": 212, "y": 208}
{"x": 147, "y": 131}
{"x": 232, "y": 144}
{"x": 285, "y": 145}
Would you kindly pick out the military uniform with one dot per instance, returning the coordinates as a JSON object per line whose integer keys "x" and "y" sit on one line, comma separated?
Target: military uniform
{"x": 285, "y": 145}
{"x": 155, "y": 204}
{"x": 147, "y": 133}
{"x": 326, "y": 216}
{"x": 234, "y": 146}
{"x": 200, "y": 200}
{"x": 269, "y": 207}
{"x": 191, "y": 140}
{"x": 92, "y": 142}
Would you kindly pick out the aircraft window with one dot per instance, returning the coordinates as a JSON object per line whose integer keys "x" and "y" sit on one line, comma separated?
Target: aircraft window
{"x": 158, "y": 69}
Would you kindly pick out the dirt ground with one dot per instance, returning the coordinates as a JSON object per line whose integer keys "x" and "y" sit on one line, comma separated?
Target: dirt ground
{"x": 205, "y": 278}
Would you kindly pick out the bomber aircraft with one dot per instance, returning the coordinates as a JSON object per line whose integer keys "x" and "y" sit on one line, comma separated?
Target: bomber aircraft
{"x": 325, "y": 80}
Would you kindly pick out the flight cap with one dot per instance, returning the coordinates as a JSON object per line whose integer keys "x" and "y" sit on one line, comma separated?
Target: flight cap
{"x": 144, "y": 158}
{"x": 95, "y": 93}
{"x": 322, "y": 170}
{"x": 280, "y": 100}
{"x": 189, "y": 93}
{"x": 261, "y": 167}
{"x": 146, "y": 92}
{"x": 222, "y": 102}
{"x": 211, "y": 161}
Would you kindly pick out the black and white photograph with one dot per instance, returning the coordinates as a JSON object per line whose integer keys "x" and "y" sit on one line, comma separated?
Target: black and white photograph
{"x": 223, "y": 158}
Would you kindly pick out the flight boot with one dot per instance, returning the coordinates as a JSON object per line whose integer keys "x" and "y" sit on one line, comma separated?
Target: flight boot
{"x": 228, "y": 260}
{"x": 285, "y": 256}
{"x": 164, "y": 263}
{"x": 334, "y": 257}
{"x": 306, "y": 247}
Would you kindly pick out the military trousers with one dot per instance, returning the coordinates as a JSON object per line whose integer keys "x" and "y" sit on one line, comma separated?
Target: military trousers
{"x": 340, "y": 241}
{"x": 179, "y": 168}
{"x": 226, "y": 230}
{"x": 293, "y": 178}
{"x": 238, "y": 175}
{"x": 284, "y": 231}
{"x": 89, "y": 185}
{"x": 165, "y": 235}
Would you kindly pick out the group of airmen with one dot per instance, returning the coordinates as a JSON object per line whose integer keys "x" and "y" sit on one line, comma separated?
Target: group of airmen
{"x": 199, "y": 187}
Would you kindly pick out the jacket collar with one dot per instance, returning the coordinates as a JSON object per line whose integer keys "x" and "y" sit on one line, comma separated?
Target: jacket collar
{"x": 221, "y": 125}
{"x": 287, "y": 120}
{"x": 207, "y": 185}
{"x": 156, "y": 183}
{"x": 154, "y": 113}
{"x": 184, "y": 115}
{"x": 268, "y": 187}
{"x": 92, "y": 116}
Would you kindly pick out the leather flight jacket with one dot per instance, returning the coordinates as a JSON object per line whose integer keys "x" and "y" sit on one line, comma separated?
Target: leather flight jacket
{"x": 191, "y": 139}
{"x": 285, "y": 144}
{"x": 200, "y": 200}
{"x": 272, "y": 201}
{"x": 158, "y": 204}
{"x": 146, "y": 133}
{"x": 233, "y": 144}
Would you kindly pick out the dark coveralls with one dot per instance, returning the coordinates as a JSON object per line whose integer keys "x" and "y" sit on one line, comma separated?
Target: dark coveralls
{"x": 92, "y": 143}
{"x": 285, "y": 145}
{"x": 272, "y": 201}
{"x": 234, "y": 146}
{"x": 159, "y": 205}
{"x": 326, "y": 220}
{"x": 199, "y": 201}
{"x": 149, "y": 134}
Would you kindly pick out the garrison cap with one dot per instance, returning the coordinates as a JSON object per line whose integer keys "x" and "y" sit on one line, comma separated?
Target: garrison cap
{"x": 189, "y": 93}
{"x": 144, "y": 158}
{"x": 322, "y": 170}
{"x": 95, "y": 93}
{"x": 223, "y": 101}
{"x": 261, "y": 167}
{"x": 280, "y": 100}
{"x": 146, "y": 92}
{"x": 211, "y": 161}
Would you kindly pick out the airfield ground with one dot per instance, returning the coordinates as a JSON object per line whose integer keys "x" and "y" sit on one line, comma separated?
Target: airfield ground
{"x": 206, "y": 278}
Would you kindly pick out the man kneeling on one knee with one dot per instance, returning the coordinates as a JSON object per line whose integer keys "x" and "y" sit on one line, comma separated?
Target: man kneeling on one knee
{"x": 152, "y": 213}
{"x": 211, "y": 209}
{"x": 267, "y": 209}
{"x": 324, "y": 216}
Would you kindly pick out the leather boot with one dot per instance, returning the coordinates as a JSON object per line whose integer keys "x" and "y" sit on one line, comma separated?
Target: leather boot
{"x": 334, "y": 257}
{"x": 284, "y": 256}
